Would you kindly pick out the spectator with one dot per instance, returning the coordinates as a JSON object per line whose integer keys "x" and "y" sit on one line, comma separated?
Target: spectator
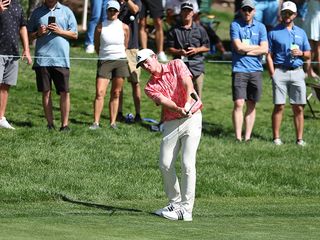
{"x": 173, "y": 17}
{"x": 288, "y": 48}
{"x": 188, "y": 41}
{"x": 53, "y": 25}
{"x": 170, "y": 86}
{"x": 312, "y": 28}
{"x": 12, "y": 25}
{"x": 267, "y": 12}
{"x": 111, "y": 40}
{"x": 156, "y": 11}
{"x": 173, "y": 9}
{"x": 129, "y": 11}
{"x": 98, "y": 14}
{"x": 249, "y": 43}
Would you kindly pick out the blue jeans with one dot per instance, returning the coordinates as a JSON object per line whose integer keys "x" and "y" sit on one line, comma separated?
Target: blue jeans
{"x": 98, "y": 13}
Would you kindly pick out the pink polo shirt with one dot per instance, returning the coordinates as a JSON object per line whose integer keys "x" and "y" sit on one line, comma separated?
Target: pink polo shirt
{"x": 170, "y": 86}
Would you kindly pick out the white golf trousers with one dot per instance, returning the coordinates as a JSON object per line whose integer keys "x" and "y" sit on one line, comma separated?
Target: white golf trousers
{"x": 181, "y": 134}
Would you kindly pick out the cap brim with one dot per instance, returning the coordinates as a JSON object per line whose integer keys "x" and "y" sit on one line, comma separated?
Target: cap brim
{"x": 187, "y": 8}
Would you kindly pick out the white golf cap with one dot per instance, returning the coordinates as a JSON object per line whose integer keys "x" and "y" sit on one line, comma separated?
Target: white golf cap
{"x": 143, "y": 54}
{"x": 291, "y": 6}
{"x": 113, "y": 4}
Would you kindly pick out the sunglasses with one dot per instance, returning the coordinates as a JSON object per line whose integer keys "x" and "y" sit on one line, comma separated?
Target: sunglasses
{"x": 284, "y": 13}
{"x": 247, "y": 9}
{"x": 112, "y": 10}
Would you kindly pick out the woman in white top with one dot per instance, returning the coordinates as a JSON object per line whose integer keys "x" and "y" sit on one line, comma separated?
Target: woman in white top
{"x": 111, "y": 40}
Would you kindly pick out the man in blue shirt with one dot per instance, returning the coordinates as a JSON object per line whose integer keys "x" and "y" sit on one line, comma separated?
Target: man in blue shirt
{"x": 288, "y": 48}
{"x": 249, "y": 43}
{"x": 53, "y": 25}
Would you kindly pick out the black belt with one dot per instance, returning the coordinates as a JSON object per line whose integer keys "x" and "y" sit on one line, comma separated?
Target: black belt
{"x": 287, "y": 68}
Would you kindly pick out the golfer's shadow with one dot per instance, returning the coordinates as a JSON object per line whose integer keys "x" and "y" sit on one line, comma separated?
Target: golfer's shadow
{"x": 112, "y": 209}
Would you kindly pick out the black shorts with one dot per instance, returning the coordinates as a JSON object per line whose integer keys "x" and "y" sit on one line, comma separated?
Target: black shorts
{"x": 59, "y": 76}
{"x": 152, "y": 7}
{"x": 247, "y": 86}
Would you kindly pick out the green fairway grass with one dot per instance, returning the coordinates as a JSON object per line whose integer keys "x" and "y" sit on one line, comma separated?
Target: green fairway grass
{"x": 105, "y": 184}
{"x": 217, "y": 218}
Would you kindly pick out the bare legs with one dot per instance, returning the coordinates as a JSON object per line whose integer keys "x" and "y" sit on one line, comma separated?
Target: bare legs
{"x": 249, "y": 118}
{"x": 298, "y": 120}
{"x": 64, "y": 107}
{"x": 158, "y": 35}
{"x": 315, "y": 55}
{"x": 4, "y": 94}
{"x": 101, "y": 88}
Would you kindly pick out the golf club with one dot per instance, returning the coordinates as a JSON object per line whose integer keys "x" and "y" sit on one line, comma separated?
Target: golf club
{"x": 195, "y": 97}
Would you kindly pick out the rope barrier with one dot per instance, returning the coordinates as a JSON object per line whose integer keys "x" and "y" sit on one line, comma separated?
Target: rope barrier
{"x": 97, "y": 58}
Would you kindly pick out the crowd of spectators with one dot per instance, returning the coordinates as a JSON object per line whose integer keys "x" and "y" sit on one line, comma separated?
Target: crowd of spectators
{"x": 187, "y": 38}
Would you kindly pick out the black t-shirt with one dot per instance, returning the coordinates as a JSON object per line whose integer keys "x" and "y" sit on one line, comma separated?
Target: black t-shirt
{"x": 124, "y": 16}
{"x": 11, "y": 20}
{"x": 196, "y": 36}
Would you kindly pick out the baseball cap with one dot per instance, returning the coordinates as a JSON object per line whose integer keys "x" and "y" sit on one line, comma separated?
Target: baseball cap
{"x": 143, "y": 54}
{"x": 113, "y": 4}
{"x": 186, "y": 5}
{"x": 291, "y": 6}
{"x": 248, "y": 3}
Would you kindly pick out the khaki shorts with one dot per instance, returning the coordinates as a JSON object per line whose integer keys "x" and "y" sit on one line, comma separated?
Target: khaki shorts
{"x": 132, "y": 62}
{"x": 113, "y": 68}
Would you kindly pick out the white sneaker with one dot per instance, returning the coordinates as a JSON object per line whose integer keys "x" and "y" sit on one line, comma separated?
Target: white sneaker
{"x": 301, "y": 143}
{"x": 162, "y": 57}
{"x": 178, "y": 214}
{"x": 4, "y": 124}
{"x": 170, "y": 207}
{"x": 227, "y": 55}
{"x": 94, "y": 126}
{"x": 277, "y": 141}
{"x": 90, "y": 49}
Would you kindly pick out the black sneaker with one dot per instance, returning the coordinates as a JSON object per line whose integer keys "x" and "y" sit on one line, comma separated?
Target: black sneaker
{"x": 51, "y": 127}
{"x": 65, "y": 129}
{"x": 120, "y": 117}
{"x": 137, "y": 118}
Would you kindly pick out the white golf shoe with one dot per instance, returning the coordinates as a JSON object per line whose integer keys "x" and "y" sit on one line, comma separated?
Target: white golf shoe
{"x": 170, "y": 207}
{"x": 4, "y": 124}
{"x": 178, "y": 214}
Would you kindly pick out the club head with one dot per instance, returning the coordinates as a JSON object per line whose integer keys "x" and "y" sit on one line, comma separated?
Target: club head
{"x": 194, "y": 96}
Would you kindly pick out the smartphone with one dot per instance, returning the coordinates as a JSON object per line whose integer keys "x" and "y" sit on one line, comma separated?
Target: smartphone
{"x": 51, "y": 19}
{"x": 186, "y": 46}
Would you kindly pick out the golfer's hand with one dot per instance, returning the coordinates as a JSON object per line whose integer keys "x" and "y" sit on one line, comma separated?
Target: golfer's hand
{"x": 183, "y": 112}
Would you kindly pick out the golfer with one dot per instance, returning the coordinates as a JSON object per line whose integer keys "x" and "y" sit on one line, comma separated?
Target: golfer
{"x": 170, "y": 86}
